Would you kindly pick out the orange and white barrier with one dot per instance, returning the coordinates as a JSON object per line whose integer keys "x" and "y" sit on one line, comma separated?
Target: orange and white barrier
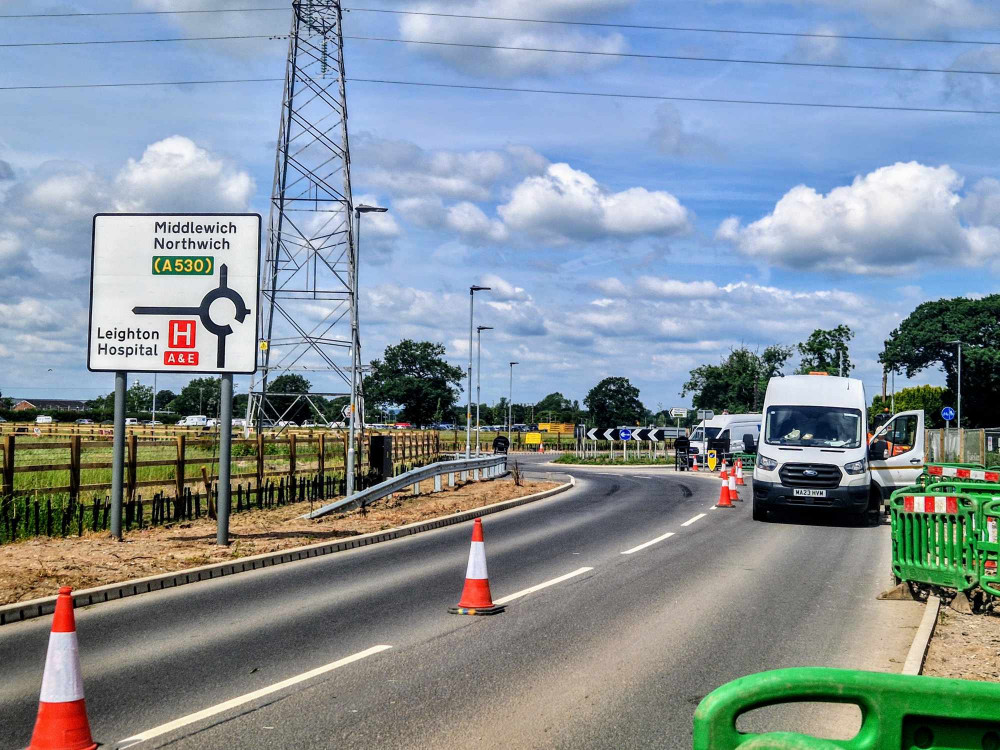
{"x": 724, "y": 473}
{"x": 739, "y": 473}
{"x": 476, "y": 597}
{"x": 920, "y": 504}
{"x": 734, "y": 494}
{"x": 62, "y": 714}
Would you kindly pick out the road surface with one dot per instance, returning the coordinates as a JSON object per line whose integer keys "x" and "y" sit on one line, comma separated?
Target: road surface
{"x": 659, "y": 599}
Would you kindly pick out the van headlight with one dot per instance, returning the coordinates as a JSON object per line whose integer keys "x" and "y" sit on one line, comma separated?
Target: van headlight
{"x": 766, "y": 464}
{"x": 856, "y": 467}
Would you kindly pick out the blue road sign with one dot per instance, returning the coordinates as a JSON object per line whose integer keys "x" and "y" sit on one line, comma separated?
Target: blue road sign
{"x": 947, "y": 414}
{"x": 624, "y": 434}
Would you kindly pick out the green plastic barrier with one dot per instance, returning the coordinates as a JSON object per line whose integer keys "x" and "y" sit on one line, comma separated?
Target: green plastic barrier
{"x": 936, "y": 547}
{"x": 897, "y": 711}
{"x": 989, "y": 547}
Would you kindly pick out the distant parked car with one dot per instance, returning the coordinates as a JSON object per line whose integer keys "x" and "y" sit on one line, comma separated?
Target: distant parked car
{"x": 131, "y": 421}
{"x": 2, "y": 419}
{"x": 286, "y": 423}
{"x": 85, "y": 421}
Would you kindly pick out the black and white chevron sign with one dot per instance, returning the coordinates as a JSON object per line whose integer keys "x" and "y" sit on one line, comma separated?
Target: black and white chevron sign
{"x": 656, "y": 434}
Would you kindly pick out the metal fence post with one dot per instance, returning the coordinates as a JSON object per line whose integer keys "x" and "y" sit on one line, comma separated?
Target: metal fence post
{"x": 225, "y": 466}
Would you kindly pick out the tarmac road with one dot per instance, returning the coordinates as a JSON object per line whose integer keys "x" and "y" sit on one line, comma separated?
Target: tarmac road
{"x": 615, "y": 656}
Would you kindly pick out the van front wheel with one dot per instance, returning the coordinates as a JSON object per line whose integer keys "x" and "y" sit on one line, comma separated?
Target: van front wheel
{"x": 758, "y": 513}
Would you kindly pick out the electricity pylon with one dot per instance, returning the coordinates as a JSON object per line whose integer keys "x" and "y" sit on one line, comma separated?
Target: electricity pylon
{"x": 308, "y": 320}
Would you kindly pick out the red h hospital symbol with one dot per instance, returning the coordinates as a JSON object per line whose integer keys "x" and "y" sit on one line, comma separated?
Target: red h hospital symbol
{"x": 181, "y": 334}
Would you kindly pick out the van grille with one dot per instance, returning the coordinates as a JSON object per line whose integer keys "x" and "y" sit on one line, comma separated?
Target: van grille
{"x": 794, "y": 475}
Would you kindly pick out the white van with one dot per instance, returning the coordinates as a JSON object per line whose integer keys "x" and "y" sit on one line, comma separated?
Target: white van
{"x": 195, "y": 420}
{"x": 814, "y": 449}
{"x": 730, "y": 427}
{"x": 42, "y": 419}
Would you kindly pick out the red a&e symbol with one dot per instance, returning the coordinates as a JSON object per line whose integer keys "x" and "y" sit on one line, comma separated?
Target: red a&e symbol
{"x": 181, "y": 334}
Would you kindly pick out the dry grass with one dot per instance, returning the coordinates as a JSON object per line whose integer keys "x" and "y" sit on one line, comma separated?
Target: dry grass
{"x": 37, "y": 567}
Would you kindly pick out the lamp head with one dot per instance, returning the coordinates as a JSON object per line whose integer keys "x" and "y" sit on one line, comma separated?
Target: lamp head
{"x": 363, "y": 209}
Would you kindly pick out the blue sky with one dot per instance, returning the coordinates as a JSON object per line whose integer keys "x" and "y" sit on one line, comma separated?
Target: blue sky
{"x": 622, "y": 237}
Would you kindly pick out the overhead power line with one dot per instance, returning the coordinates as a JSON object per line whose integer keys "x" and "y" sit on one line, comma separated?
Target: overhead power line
{"x": 549, "y": 21}
{"x": 472, "y": 45}
{"x": 650, "y": 27}
{"x": 511, "y": 89}
{"x": 141, "y": 12}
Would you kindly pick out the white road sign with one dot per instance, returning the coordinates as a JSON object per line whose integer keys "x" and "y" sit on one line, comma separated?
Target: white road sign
{"x": 174, "y": 293}
{"x": 679, "y": 412}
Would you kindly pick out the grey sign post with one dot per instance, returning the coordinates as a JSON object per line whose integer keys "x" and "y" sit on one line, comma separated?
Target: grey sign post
{"x": 153, "y": 284}
{"x": 225, "y": 445}
{"x": 118, "y": 456}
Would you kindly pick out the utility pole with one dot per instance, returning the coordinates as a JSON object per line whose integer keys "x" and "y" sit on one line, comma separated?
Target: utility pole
{"x": 510, "y": 401}
{"x": 479, "y": 372}
{"x": 468, "y": 409}
{"x": 355, "y": 346}
{"x": 958, "y": 421}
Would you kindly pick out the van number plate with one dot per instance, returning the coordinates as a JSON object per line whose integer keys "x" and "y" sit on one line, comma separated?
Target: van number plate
{"x": 809, "y": 493}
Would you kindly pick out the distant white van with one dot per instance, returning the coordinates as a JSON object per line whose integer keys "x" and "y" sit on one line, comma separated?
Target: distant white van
{"x": 43, "y": 420}
{"x": 731, "y": 427}
{"x": 195, "y": 420}
{"x": 131, "y": 421}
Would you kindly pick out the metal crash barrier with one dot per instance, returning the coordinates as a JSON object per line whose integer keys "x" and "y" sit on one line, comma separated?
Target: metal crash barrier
{"x": 897, "y": 711}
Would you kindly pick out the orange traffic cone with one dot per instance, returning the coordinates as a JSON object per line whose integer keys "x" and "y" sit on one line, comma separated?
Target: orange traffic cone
{"x": 694, "y": 462}
{"x": 724, "y": 500}
{"x": 723, "y": 474}
{"x": 476, "y": 597}
{"x": 62, "y": 715}
{"x": 739, "y": 473}
{"x": 734, "y": 494}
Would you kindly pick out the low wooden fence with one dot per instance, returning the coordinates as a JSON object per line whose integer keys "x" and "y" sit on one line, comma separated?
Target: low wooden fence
{"x": 189, "y": 461}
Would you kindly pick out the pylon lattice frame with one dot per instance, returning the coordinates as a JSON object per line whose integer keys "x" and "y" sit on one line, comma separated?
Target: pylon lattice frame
{"x": 308, "y": 320}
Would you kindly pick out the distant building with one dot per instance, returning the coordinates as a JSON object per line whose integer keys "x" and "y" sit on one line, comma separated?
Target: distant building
{"x": 49, "y": 404}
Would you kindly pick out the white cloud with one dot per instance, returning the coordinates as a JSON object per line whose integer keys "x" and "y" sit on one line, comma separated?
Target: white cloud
{"x": 818, "y": 49}
{"x": 502, "y": 290}
{"x": 406, "y": 170}
{"x": 610, "y": 286}
{"x": 469, "y": 221}
{"x": 508, "y": 63}
{"x": 566, "y": 204}
{"x": 236, "y": 24}
{"x": 175, "y": 174}
{"x": 887, "y": 221}
{"x": 657, "y": 287}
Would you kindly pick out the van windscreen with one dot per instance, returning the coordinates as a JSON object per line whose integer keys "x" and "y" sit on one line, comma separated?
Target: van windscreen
{"x": 813, "y": 426}
{"x": 698, "y": 434}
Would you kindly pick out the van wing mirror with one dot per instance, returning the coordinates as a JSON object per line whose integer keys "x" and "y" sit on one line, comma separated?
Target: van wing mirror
{"x": 749, "y": 444}
{"x": 878, "y": 451}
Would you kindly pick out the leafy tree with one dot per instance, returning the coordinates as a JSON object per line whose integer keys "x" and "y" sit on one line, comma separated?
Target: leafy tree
{"x": 924, "y": 339}
{"x": 930, "y": 398}
{"x": 138, "y": 398}
{"x": 287, "y": 407}
{"x": 199, "y": 396}
{"x": 738, "y": 383}
{"x": 415, "y": 376}
{"x": 6, "y": 403}
{"x": 614, "y": 402}
{"x": 163, "y": 398}
{"x": 826, "y": 351}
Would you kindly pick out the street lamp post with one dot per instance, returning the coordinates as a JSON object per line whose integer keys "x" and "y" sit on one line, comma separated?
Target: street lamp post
{"x": 958, "y": 421}
{"x": 479, "y": 372}
{"x": 510, "y": 400}
{"x": 355, "y": 345}
{"x": 468, "y": 409}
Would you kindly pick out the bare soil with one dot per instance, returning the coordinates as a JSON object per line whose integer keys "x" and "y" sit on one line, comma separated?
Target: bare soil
{"x": 965, "y": 646}
{"x": 38, "y": 567}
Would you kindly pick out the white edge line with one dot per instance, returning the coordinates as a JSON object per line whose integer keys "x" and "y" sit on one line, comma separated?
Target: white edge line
{"x": 234, "y": 702}
{"x": 692, "y": 520}
{"x": 540, "y": 586}
{"x": 646, "y": 544}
